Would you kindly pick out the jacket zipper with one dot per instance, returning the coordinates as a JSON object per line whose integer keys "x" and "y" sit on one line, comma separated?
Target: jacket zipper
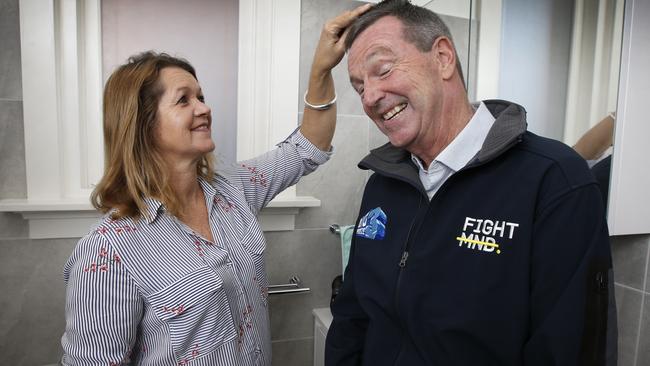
{"x": 405, "y": 251}
{"x": 602, "y": 300}
{"x": 402, "y": 264}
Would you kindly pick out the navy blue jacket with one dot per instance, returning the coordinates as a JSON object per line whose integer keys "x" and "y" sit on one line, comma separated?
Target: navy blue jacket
{"x": 506, "y": 265}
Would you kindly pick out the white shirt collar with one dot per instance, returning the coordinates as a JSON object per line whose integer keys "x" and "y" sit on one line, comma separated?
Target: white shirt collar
{"x": 464, "y": 146}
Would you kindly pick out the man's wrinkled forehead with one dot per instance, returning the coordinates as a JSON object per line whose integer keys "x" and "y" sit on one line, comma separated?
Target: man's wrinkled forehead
{"x": 375, "y": 41}
{"x": 374, "y": 54}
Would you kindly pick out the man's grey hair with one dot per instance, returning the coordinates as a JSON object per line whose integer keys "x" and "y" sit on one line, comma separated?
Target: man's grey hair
{"x": 421, "y": 26}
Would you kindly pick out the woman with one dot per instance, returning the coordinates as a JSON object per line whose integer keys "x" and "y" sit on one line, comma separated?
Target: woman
{"x": 174, "y": 273}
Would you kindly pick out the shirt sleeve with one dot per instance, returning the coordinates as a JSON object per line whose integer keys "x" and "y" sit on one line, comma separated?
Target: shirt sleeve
{"x": 103, "y": 306}
{"x": 263, "y": 177}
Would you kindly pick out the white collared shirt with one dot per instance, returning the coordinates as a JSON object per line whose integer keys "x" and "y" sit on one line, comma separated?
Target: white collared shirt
{"x": 458, "y": 153}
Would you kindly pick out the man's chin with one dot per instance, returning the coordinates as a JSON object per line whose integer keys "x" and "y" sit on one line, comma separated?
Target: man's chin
{"x": 397, "y": 142}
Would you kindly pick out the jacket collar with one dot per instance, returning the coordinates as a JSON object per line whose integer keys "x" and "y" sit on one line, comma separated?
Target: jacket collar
{"x": 509, "y": 126}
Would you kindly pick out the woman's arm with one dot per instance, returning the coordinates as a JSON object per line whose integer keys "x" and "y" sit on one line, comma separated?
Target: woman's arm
{"x": 318, "y": 124}
{"x": 263, "y": 177}
{"x": 103, "y": 306}
{"x": 595, "y": 141}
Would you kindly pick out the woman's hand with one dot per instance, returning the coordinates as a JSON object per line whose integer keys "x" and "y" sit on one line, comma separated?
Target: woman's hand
{"x": 331, "y": 46}
{"x": 318, "y": 123}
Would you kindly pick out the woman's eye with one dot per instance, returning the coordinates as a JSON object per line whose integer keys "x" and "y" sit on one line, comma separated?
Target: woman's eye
{"x": 182, "y": 100}
{"x": 201, "y": 98}
{"x": 384, "y": 70}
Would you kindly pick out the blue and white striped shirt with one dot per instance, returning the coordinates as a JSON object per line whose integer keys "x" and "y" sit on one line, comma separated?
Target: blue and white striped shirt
{"x": 154, "y": 292}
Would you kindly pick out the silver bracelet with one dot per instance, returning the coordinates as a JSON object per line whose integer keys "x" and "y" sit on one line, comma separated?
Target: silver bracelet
{"x": 320, "y": 107}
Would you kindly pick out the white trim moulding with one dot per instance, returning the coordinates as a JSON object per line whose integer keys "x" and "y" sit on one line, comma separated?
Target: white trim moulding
{"x": 62, "y": 88}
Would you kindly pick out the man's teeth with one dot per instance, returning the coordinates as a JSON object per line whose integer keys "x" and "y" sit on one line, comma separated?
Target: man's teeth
{"x": 393, "y": 112}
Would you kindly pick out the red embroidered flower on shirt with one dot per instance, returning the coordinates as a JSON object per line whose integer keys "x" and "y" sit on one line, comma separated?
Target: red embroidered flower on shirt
{"x": 256, "y": 177}
{"x": 103, "y": 262}
{"x": 180, "y": 309}
{"x": 225, "y": 205}
{"x": 195, "y": 351}
{"x": 264, "y": 291}
{"x": 119, "y": 229}
{"x": 198, "y": 247}
{"x": 247, "y": 316}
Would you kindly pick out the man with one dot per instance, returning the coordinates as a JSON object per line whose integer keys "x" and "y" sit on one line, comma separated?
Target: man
{"x": 477, "y": 243}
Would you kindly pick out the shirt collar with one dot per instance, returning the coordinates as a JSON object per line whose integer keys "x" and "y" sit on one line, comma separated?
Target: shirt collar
{"x": 152, "y": 210}
{"x": 464, "y": 146}
{"x": 154, "y": 206}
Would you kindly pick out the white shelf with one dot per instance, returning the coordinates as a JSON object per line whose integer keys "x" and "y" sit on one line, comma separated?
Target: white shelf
{"x": 72, "y": 218}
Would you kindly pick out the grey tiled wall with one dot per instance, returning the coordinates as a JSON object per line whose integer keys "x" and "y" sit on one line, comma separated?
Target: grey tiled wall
{"x": 311, "y": 254}
{"x": 32, "y": 300}
{"x": 631, "y": 256}
{"x": 311, "y": 251}
{"x": 31, "y": 288}
{"x": 10, "y": 74}
{"x": 12, "y": 145}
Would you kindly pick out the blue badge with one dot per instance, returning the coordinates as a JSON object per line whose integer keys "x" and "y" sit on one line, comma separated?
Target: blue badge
{"x": 372, "y": 225}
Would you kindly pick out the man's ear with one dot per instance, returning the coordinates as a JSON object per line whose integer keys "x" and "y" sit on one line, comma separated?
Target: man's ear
{"x": 443, "y": 51}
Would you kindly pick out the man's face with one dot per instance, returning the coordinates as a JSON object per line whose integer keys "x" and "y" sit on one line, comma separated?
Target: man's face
{"x": 400, "y": 86}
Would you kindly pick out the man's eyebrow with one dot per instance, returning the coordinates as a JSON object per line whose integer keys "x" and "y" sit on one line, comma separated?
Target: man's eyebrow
{"x": 376, "y": 53}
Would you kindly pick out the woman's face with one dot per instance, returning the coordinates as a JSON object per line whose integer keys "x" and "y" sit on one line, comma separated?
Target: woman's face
{"x": 182, "y": 131}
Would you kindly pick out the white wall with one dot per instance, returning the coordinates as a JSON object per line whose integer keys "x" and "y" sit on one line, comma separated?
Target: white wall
{"x": 205, "y": 32}
{"x": 535, "y": 50}
{"x": 629, "y": 199}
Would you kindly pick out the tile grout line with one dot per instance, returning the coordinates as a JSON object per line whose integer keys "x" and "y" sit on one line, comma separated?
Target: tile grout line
{"x": 631, "y": 288}
{"x": 14, "y": 238}
{"x": 291, "y": 339}
{"x": 638, "y": 332}
{"x": 352, "y": 115}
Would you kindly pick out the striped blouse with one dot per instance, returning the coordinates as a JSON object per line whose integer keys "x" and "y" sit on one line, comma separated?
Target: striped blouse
{"x": 154, "y": 292}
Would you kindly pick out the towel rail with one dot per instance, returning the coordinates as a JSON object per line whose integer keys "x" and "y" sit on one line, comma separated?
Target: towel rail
{"x": 294, "y": 286}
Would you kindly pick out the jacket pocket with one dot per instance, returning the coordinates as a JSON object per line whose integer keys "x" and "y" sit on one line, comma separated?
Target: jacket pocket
{"x": 196, "y": 310}
{"x": 594, "y": 342}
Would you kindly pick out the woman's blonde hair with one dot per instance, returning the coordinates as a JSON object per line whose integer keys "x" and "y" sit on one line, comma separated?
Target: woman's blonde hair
{"x": 133, "y": 168}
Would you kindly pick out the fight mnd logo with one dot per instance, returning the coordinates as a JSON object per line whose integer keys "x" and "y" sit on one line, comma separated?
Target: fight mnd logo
{"x": 484, "y": 235}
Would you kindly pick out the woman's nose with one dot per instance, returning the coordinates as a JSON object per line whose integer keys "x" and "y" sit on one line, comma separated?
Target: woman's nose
{"x": 202, "y": 108}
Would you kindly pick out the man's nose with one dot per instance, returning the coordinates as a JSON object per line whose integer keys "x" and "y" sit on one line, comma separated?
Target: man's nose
{"x": 371, "y": 95}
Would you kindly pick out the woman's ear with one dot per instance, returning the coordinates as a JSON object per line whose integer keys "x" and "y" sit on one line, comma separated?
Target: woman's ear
{"x": 443, "y": 51}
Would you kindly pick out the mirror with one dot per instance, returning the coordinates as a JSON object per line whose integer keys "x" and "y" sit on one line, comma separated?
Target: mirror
{"x": 558, "y": 59}
{"x": 457, "y": 15}
{"x": 202, "y": 31}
